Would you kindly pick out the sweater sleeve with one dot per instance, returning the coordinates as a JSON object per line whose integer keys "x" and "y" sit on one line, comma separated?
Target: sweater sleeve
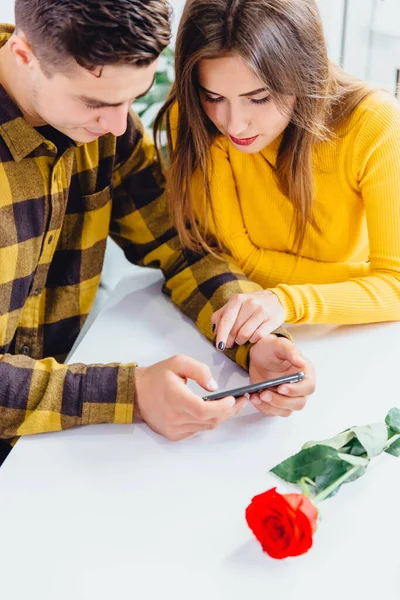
{"x": 374, "y": 296}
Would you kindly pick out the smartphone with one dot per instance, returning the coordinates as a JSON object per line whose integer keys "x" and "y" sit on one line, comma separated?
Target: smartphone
{"x": 254, "y": 388}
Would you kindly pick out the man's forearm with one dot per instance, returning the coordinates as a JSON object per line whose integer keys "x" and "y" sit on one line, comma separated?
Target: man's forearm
{"x": 38, "y": 396}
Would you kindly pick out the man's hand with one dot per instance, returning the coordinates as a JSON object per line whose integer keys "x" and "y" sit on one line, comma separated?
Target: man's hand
{"x": 168, "y": 407}
{"x": 274, "y": 357}
{"x": 247, "y": 318}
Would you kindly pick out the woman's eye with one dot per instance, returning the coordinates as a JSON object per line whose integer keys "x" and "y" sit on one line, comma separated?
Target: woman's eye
{"x": 213, "y": 100}
{"x": 261, "y": 100}
{"x": 252, "y": 100}
{"x": 92, "y": 106}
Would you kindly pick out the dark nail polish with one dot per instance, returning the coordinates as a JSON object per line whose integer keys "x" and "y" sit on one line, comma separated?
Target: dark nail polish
{"x": 221, "y": 346}
{"x": 213, "y": 327}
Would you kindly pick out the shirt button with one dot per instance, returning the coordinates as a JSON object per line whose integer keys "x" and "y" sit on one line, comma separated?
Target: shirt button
{"x": 50, "y": 239}
{"x": 25, "y": 350}
{"x": 37, "y": 292}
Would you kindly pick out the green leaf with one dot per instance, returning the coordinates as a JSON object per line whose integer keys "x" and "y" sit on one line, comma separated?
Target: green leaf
{"x": 318, "y": 461}
{"x": 393, "y": 442}
{"x": 158, "y": 93}
{"x": 169, "y": 53}
{"x": 355, "y": 448}
{"x": 338, "y": 441}
{"x": 334, "y": 471}
{"x": 356, "y": 461}
{"x": 325, "y": 466}
{"x": 394, "y": 449}
{"x": 372, "y": 437}
{"x": 322, "y": 483}
{"x": 393, "y": 419}
{"x": 358, "y": 441}
{"x": 367, "y": 439}
{"x": 356, "y": 475}
{"x": 162, "y": 77}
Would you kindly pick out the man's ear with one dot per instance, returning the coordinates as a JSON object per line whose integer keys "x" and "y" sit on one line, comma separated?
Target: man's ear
{"x": 21, "y": 50}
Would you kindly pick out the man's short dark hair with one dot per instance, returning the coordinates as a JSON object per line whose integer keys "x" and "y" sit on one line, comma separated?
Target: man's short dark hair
{"x": 94, "y": 33}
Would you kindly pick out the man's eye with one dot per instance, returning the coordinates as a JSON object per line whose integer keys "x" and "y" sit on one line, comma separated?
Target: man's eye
{"x": 92, "y": 106}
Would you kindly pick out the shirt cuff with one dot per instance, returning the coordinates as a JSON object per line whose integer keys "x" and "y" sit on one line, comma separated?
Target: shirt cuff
{"x": 109, "y": 394}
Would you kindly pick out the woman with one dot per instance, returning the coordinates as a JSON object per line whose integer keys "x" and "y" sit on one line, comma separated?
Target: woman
{"x": 287, "y": 164}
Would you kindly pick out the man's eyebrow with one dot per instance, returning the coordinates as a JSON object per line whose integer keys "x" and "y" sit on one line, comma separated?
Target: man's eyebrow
{"x": 97, "y": 102}
{"x": 252, "y": 93}
{"x": 101, "y": 104}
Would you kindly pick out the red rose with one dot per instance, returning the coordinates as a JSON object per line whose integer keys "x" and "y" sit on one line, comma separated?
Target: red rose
{"x": 283, "y": 524}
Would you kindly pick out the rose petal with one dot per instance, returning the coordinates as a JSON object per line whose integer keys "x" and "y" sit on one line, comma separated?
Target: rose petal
{"x": 304, "y": 504}
{"x": 283, "y": 524}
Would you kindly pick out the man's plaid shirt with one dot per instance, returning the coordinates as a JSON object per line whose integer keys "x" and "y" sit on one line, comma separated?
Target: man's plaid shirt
{"x": 59, "y": 201}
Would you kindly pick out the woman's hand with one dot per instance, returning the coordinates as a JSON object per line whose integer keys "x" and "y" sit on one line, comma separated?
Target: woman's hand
{"x": 274, "y": 357}
{"x": 247, "y": 318}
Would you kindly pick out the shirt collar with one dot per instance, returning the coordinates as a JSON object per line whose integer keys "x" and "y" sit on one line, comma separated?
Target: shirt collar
{"x": 21, "y": 138}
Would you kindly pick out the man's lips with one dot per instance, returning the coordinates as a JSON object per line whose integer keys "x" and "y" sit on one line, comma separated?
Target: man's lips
{"x": 243, "y": 141}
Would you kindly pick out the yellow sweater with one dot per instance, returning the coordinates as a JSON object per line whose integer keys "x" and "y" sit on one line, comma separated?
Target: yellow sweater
{"x": 348, "y": 273}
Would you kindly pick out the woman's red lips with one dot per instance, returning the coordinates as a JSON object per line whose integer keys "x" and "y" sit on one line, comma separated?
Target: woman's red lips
{"x": 243, "y": 141}
{"x": 95, "y": 133}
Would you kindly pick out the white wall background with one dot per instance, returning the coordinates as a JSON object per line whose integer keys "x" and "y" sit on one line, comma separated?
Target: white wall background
{"x": 6, "y": 11}
{"x": 371, "y": 43}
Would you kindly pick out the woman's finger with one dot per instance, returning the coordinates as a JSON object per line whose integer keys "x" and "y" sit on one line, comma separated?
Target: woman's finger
{"x": 215, "y": 319}
{"x": 255, "y": 319}
{"x": 227, "y": 321}
{"x": 265, "y": 328}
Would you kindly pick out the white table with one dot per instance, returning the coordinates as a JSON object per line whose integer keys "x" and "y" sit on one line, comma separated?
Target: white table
{"x": 119, "y": 512}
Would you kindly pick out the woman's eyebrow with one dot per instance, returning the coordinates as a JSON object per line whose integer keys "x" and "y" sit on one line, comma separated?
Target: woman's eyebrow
{"x": 252, "y": 93}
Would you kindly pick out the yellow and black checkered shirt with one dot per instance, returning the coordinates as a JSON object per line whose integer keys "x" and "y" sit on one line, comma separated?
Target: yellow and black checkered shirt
{"x": 59, "y": 201}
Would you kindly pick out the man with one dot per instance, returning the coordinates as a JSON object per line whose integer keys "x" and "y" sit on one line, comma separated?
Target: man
{"x": 75, "y": 167}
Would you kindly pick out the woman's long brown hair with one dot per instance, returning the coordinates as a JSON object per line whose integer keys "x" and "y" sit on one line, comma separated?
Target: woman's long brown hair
{"x": 282, "y": 41}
